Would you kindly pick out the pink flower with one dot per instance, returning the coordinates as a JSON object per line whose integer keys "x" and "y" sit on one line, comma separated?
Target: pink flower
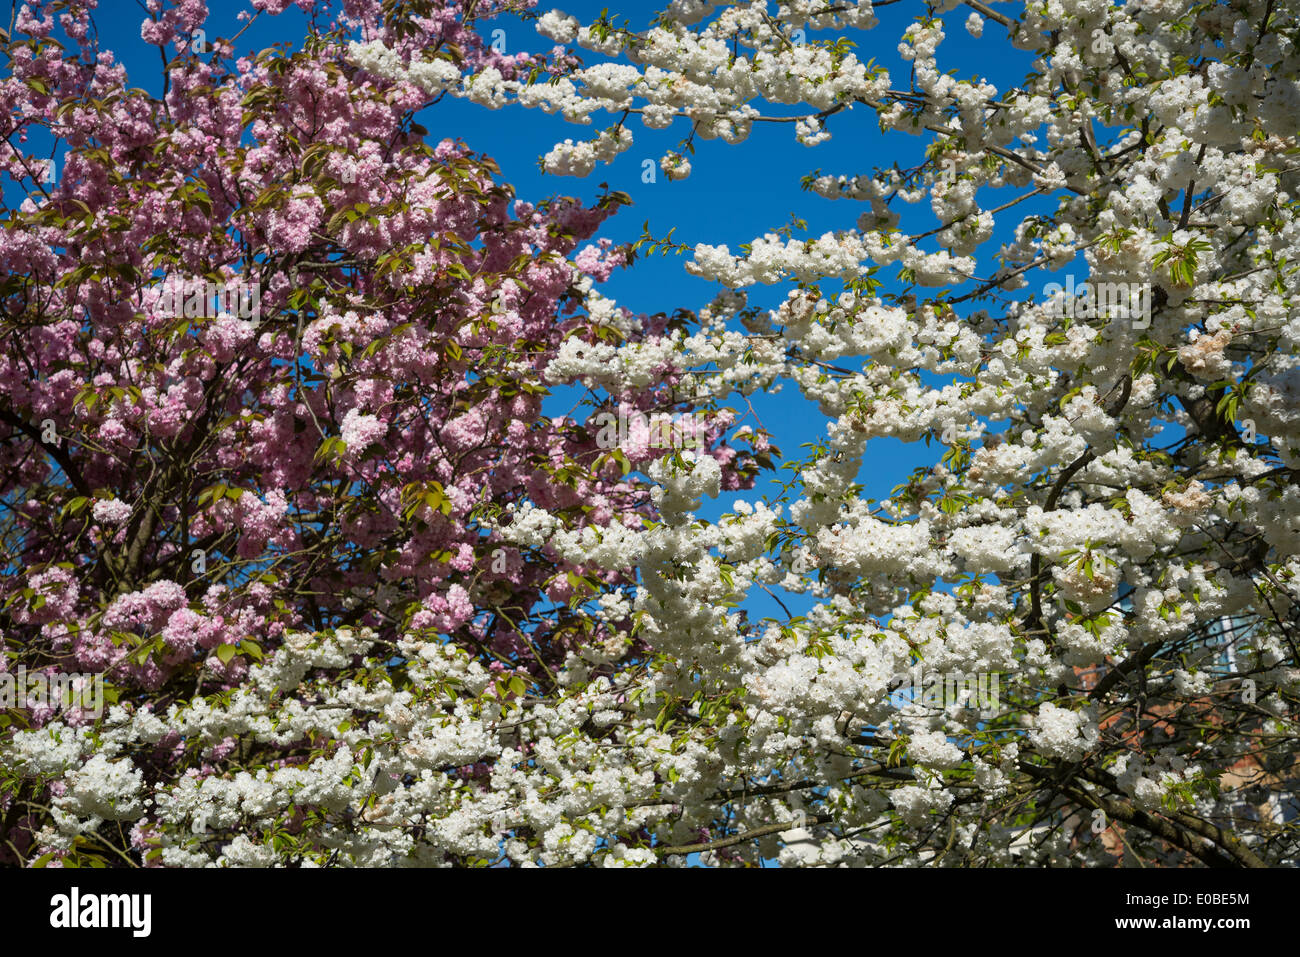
{"x": 360, "y": 430}
{"x": 111, "y": 511}
{"x": 187, "y": 629}
{"x": 445, "y": 613}
{"x": 597, "y": 262}
{"x": 466, "y": 431}
{"x": 291, "y": 228}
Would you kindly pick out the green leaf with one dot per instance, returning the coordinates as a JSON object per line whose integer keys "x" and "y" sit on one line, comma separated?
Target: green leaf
{"x": 622, "y": 460}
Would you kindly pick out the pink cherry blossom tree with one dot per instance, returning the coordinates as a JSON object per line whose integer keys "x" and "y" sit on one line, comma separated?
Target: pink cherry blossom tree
{"x": 272, "y": 367}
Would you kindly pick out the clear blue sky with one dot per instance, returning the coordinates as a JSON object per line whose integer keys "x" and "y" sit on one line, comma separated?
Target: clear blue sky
{"x": 734, "y": 193}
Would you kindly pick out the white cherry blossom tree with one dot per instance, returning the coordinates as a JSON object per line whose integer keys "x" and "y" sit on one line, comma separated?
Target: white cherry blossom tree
{"x": 1114, "y": 523}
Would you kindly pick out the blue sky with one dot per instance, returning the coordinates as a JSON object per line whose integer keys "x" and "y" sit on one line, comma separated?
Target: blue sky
{"x": 734, "y": 193}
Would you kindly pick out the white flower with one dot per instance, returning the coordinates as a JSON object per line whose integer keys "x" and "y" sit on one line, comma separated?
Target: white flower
{"x": 1063, "y": 733}
{"x": 558, "y": 26}
{"x": 914, "y": 803}
{"x": 579, "y": 159}
{"x": 932, "y": 749}
{"x": 675, "y": 166}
